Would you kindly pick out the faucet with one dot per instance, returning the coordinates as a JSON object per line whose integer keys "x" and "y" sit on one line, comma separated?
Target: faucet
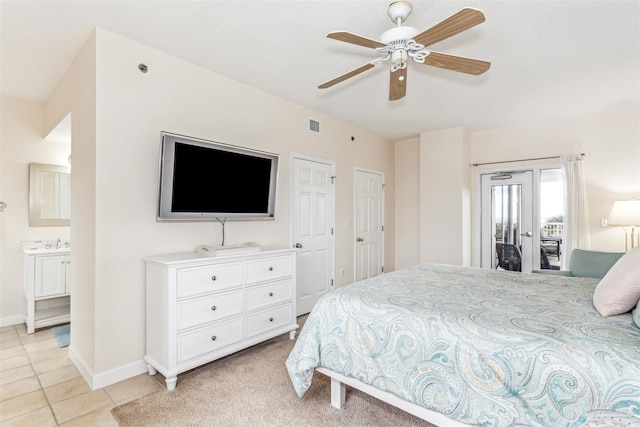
{"x": 58, "y": 244}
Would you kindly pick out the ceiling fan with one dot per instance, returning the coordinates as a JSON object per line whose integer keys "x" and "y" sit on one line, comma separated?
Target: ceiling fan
{"x": 402, "y": 42}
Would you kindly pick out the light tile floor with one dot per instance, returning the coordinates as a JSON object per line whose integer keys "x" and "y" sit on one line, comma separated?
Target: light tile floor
{"x": 40, "y": 386}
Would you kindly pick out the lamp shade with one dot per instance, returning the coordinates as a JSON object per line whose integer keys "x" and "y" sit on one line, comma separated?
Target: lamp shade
{"x": 625, "y": 212}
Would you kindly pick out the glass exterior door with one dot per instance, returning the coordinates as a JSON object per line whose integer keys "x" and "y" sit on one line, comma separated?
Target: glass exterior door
{"x": 507, "y": 235}
{"x": 552, "y": 201}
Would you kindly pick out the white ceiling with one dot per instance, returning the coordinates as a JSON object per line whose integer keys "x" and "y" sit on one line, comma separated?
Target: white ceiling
{"x": 550, "y": 59}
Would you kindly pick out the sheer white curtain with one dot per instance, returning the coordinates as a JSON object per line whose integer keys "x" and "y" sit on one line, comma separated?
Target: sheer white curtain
{"x": 576, "y": 220}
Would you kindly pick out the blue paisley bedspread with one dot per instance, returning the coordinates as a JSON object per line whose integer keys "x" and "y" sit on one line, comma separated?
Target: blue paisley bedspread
{"x": 484, "y": 347}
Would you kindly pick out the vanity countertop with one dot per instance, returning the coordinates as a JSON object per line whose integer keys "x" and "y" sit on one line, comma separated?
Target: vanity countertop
{"x": 43, "y": 247}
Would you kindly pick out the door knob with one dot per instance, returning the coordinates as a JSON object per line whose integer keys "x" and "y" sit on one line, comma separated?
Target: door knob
{"x": 359, "y": 239}
{"x": 298, "y": 245}
{"x": 527, "y": 234}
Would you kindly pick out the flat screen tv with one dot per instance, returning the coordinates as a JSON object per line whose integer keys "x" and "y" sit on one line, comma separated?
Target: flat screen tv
{"x": 206, "y": 180}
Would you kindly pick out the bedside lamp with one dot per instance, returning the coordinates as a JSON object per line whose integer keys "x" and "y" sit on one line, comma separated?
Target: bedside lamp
{"x": 626, "y": 213}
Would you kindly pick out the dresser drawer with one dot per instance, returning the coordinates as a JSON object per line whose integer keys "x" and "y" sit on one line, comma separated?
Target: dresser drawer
{"x": 266, "y": 320}
{"x": 265, "y": 295}
{"x": 262, "y": 269}
{"x": 208, "y": 339}
{"x": 193, "y": 312}
{"x": 196, "y": 280}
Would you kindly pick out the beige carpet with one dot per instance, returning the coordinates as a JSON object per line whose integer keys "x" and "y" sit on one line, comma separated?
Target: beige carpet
{"x": 252, "y": 388}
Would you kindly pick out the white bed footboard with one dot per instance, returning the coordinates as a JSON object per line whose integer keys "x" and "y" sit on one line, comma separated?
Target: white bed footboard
{"x": 338, "y": 397}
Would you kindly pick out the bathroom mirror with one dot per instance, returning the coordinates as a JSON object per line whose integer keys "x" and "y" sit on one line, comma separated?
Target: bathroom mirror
{"x": 49, "y": 195}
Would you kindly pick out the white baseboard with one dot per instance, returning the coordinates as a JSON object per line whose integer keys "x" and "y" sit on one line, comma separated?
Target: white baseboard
{"x": 16, "y": 319}
{"x": 118, "y": 374}
{"x": 85, "y": 371}
{"x": 109, "y": 377}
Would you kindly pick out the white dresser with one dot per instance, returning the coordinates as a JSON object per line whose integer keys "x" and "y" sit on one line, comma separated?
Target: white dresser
{"x": 202, "y": 308}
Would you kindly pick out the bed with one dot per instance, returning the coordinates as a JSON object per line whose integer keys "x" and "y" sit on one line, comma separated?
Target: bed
{"x": 459, "y": 345}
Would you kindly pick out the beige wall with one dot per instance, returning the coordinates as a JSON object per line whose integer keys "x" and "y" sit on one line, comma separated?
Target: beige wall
{"x": 610, "y": 138}
{"x": 407, "y": 242}
{"x": 115, "y": 171}
{"x": 444, "y": 207}
{"x": 21, "y": 142}
{"x": 76, "y": 94}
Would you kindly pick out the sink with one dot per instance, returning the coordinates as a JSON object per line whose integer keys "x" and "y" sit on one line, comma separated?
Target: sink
{"x": 46, "y": 247}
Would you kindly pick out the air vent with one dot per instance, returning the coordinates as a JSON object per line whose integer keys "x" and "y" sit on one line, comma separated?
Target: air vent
{"x": 314, "y": 126}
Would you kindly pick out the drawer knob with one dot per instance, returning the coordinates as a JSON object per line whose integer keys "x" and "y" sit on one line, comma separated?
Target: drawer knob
{"x": 213, "y": 338}
{"x": 213, "y": 278}
{"x": 270, "y": 268}
{"x": 270, "y": 294}
{"x": 213, "y": 308}
{"x": 270, "y": 319}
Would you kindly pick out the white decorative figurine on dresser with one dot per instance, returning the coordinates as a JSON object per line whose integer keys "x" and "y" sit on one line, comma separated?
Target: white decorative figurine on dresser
{"x": 201, "y": 308}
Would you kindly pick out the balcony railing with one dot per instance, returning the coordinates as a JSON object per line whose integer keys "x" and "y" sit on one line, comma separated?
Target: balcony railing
{"x": 552, "y": 229}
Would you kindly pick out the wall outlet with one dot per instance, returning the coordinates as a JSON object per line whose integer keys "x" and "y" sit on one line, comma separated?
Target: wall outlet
{"x": 604, "y": 222}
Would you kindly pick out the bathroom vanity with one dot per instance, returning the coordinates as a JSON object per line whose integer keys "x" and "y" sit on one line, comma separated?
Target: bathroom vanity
{"x": 47, "y": 284}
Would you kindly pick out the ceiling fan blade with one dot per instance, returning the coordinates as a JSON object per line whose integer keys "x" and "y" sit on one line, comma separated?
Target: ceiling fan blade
{"x": 461, "y": 21}
{"x": 398, "y": 84}
{"x": 344, "y": 36}
{"x": 345, "y": 76}
{"x": 457, "y": 63}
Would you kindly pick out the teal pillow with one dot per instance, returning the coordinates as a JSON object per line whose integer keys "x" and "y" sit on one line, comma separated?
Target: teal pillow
{"x": 636, "y": 315}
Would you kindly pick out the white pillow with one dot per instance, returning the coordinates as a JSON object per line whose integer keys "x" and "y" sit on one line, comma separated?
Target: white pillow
{"x": 619, "y": 290}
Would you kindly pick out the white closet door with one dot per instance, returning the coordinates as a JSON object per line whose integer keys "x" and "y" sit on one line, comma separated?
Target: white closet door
{"x": 369, "y": 224}
{"x": 313, "y": 222}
